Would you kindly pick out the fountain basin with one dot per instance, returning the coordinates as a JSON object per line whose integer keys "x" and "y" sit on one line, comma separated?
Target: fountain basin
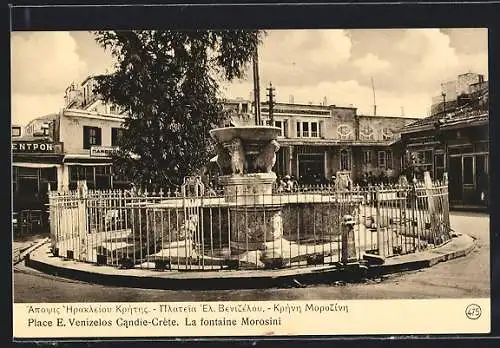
{"x": 245, "y": 133}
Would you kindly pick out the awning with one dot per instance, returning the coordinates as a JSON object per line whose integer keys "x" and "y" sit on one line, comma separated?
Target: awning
{"x": 85, "y": 160}
{"x": 35, "y": 165}
{"x": 88, "y": 164}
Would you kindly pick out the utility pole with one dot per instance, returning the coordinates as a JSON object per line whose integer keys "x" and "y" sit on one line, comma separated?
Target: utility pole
{"x": 374, "y": 102}
{"x": 444, "y": 102}
{"x": 271, "y": 103}
{"x": 256, "y": 86}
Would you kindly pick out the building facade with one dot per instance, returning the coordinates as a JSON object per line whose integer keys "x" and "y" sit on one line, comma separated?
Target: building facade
{"x": 317, "y": 141}
{"x": 57, "y": 150}
{"x": 456, "y": 142}
{"x": 456, "y": 93}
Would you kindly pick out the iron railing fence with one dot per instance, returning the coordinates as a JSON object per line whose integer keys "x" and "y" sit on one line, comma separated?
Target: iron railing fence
{"x": 204, "y": 230}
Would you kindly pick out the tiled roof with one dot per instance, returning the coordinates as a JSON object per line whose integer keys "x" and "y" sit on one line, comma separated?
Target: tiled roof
{"x": 48, "y": 117}
{"x": 451, "y": 120}
{"x": 44, "y": 138}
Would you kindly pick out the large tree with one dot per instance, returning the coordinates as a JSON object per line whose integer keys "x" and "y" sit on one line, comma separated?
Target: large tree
{"x": 167, "y": 83}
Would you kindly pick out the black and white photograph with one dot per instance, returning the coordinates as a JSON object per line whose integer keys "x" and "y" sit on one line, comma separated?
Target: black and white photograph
{"x": 247, "y": 176}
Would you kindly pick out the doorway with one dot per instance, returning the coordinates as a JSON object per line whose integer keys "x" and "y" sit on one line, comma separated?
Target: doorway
{"x": 311, "y": 168}
{"x": 482, "y": 179}
{"x": 455, "y": 179}
{"x": 468, "y": 181}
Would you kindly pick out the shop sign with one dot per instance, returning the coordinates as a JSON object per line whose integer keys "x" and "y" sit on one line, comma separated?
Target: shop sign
{"x": 102, "y": 151}
{"x": 36, "y": 147}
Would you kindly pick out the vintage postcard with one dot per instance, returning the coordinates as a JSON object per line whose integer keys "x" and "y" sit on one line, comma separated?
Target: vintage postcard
{"x": 255, "y": 183}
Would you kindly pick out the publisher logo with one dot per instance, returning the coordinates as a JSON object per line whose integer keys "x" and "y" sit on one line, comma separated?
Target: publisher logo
{"x": 473, "y": 311}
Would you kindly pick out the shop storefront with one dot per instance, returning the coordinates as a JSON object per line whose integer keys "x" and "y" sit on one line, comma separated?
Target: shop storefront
{"x": 35, "y": 168}
{"x": 458, "y": 146}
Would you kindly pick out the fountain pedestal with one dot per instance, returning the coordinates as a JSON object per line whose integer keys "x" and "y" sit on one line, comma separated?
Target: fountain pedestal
{"x": 252, "y": 227}
{"x": 248, "y": 189}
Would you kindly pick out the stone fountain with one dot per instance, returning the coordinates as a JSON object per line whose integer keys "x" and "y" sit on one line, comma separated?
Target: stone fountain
{"x": 246, "y": 156}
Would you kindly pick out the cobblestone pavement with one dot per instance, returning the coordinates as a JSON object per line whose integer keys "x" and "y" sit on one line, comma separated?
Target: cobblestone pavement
{"x": 464, "y": 277}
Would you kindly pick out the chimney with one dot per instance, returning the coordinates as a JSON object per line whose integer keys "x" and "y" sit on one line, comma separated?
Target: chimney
{"x": 324, "y": 101}
{"x": 291, "y": 99}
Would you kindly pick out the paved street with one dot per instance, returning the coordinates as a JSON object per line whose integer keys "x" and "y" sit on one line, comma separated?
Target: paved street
{"x": 464, "y": 277}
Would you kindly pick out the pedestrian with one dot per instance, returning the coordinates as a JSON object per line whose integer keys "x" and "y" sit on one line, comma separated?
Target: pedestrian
{"x": 287, "y": 183}
{"x": 332, "y": 180}
{"x": 292, "y": 183}
{"x": 483, "y": 185}
{"x": 390, "y": 175}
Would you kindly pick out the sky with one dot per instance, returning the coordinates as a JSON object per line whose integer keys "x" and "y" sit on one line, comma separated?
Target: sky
{"x": 406, "y": 66}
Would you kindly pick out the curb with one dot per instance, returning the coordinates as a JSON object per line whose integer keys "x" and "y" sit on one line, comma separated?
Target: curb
{"x": 25, "y": 252}
{"x": 219, "y": 281}
{"x": 380, "y": 270}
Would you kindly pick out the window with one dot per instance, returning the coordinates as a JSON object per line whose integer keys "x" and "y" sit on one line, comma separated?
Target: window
{"x": 367, "y": 157}
{"x": 27, "y": 181}
{"x": 279, "y": 125}
{"x": 439, "y": 160}
{"x": 382, "y": 159}
{"x": 305, "y": 129}
{"x": 91, "y": 136}
{"x": 427, "y": 157}
{"x": 345, "y": 160}
{"x": 98, "y": 177}
{"x": 314, "y": 130}
{"x": 468, "y": 170}
{"x": 116, "y": 136}
{"x": 102, "y": 177}
{"x": 34, "y": 181}
{"x": 389, "y": 159}
{"x": 112, "y": 108}
{"x": 439, "y": 165}
{"x": 244, "y": 108}
{"x": 48, "y": 176}
{"x": 308, "y": 129}
{"x": 16, "y": 131}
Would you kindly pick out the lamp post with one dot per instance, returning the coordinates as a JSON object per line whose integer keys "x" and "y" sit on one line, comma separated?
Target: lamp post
{"x": 256, "y": 86}
{"x": 271, "y": 104}
{"x": 444, "y": 102}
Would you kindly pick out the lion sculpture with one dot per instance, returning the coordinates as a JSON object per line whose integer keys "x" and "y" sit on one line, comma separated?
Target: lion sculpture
{"x": 265, "y": 160}
{"x": 223, "y": 160}
{"x": 237, "y": 153}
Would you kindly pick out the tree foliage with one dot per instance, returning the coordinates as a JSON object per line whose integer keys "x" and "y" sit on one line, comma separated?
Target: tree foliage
{"x": 167, "y": 83}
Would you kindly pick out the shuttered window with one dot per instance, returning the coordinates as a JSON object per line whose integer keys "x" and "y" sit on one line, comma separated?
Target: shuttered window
{"x": 91, "y": 136}
{"x": 116, "y": 135}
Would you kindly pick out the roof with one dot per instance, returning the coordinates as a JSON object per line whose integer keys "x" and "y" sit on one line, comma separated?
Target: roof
{"x": 388, "y": 116}
{"x": 44, "y": 138}
{"x": 460, "y": 119}
{"x": 49, "y": 117}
